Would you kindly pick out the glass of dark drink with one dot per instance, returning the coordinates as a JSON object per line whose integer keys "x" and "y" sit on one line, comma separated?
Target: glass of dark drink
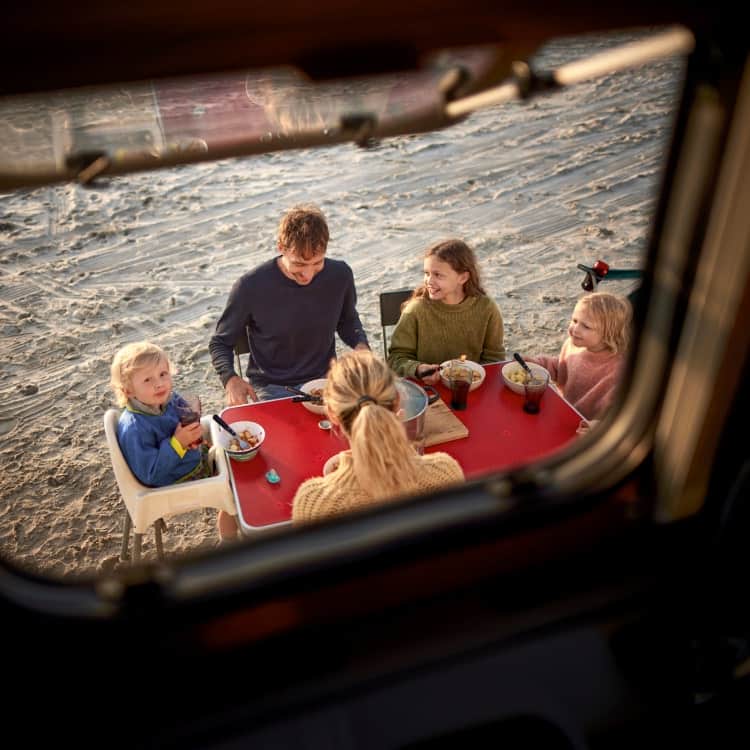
{"x": 189, "y": 408}
{"x": 533, "y": 391}
{"x": 460, "y": 382}
{"x": 189, "y": 411}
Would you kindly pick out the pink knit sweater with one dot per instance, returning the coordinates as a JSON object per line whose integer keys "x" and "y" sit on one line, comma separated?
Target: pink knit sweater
{"x": 588, "y": 380}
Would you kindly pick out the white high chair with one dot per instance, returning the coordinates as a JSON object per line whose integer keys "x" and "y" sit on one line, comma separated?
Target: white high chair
{"x": 145, "y": 506}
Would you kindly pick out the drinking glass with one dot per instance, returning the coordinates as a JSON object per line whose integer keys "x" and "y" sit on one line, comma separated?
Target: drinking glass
{"x": 460, "y": 382}
{"x": 533, "y": 391}
{"x": 189, "y": 410}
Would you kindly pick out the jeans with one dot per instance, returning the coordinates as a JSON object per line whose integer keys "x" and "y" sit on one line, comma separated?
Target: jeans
{"x": 271, "y": 391}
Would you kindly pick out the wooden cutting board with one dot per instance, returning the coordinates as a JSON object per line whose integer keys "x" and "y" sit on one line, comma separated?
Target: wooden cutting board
{"x": 441, "y": 425}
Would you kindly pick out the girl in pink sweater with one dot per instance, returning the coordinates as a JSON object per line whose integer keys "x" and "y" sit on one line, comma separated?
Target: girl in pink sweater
{"x": 592, "y": 358}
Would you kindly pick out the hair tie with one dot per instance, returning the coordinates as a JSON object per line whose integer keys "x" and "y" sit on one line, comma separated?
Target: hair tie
{"x": 364, "y": 399}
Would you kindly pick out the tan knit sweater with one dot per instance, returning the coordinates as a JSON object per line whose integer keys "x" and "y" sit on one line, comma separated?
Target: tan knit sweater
{"x": 433, "y": 332}
{"x": 339, "y": 492}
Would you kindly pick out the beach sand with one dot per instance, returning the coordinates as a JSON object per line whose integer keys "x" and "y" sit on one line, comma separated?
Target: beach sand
{"x": 535, "y": 187}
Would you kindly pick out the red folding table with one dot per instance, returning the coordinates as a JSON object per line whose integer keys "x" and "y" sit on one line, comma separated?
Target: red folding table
{"x": 501, "y": 436}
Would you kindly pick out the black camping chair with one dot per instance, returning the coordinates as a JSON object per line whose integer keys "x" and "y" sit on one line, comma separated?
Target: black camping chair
{"x": 390, "y": 311}
{"x": 242, "y": 346}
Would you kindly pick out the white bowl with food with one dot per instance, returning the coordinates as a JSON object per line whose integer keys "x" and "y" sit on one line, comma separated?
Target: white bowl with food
{"x": 251, "y": 432}
{"x": 515, "y": 376}
{"x": 314, "y": 388}
{"x": 478, "y": 373}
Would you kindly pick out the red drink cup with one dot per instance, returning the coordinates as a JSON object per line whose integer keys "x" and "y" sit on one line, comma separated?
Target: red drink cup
{"x": 533, "y": 391}
{"x": 460, "y": 383}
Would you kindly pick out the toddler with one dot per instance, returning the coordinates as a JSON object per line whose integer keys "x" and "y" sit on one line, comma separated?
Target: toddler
{"x": 158, "y": 449}
{"x": 592, "y": 358}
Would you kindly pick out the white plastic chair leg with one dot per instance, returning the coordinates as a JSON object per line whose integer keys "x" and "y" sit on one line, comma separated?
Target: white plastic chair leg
{"x": 157, "y": 536}
{"x": 126, "y": 526}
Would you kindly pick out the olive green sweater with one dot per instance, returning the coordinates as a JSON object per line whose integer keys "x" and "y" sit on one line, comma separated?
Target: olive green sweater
{"x": 432, "y": 332}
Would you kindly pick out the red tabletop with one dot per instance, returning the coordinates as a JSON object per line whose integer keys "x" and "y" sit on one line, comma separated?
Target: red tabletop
{"x": 501, "y": 436}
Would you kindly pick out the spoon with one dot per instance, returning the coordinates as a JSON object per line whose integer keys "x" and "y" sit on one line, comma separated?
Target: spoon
{"x": 244, "y": 445}
{"x": 300, "y": 392}
{"x": 523, "y": 364}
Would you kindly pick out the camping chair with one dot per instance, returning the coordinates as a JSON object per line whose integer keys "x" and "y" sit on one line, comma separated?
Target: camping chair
{"x": 241, "y": 346}
{"x": 390, "y": 311}
{"x": 146, "y": 506}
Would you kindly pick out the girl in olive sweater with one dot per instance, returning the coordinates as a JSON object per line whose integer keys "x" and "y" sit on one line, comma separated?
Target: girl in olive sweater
{"x": 449, "y": 315}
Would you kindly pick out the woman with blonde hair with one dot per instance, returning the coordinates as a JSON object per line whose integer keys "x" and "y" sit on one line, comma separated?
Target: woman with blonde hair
{"x": 381, "y": 464}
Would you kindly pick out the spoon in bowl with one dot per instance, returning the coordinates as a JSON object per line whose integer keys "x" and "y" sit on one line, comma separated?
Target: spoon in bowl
{"x": 303, "y": 395}
{"x": 523, "y": 364}
{"x": 244, "y": 445}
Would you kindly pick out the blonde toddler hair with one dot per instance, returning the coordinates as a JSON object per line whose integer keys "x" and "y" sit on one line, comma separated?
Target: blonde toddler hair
{"x": 613, "y": 315}
{"x": 361, "y": 396}
{"x": 127, "y": 360}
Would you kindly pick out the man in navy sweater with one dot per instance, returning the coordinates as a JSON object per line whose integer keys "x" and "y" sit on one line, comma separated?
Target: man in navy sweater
{"x": 292, "y": 307}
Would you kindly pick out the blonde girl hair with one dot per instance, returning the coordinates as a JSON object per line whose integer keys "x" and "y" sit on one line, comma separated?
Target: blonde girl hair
{"x": 613, "y": 315}
{"x": 362, "y": 398}
{"x": 127, "y": 360}
{"x": 462, "y": 259}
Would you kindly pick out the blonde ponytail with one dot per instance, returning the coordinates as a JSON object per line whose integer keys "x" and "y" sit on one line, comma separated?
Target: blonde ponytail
{"x": 362, "y": 398}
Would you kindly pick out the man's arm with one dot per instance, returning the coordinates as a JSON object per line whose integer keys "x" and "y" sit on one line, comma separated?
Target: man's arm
{"x": 350, "y": 327}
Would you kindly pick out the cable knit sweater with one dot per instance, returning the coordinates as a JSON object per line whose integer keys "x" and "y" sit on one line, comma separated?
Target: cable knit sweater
{"x": 433, "y": 332}
{"x": 588, "y": 380}
{"x": 339, "y": 492}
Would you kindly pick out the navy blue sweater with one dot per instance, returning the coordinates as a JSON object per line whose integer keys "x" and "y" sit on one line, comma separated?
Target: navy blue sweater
{"x": 292, "y": 327}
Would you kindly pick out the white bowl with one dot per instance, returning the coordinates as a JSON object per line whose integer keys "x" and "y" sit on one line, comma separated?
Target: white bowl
{"x": 512, "y": 368}
{"x": 253, "y": 428}
{"x": 478, "y": 372}
{"x": 308, "y": 388}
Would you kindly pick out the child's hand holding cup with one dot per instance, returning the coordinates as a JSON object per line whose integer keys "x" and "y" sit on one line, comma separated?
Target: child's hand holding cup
{"x": 189, "y": 429}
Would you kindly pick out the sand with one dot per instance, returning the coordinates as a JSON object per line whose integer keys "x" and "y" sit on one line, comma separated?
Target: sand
{"x": 535, "y": 187}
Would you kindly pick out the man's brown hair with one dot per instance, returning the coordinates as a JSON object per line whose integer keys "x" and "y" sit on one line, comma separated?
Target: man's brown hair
{"x": 304, "y": 229}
